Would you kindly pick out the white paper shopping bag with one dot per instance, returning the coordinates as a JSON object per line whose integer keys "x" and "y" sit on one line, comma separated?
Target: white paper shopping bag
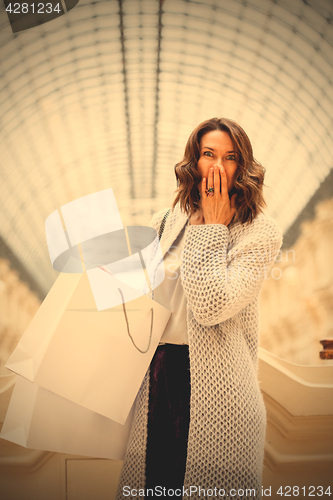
{"x": 95, "y": 359}
{"x": 39, "y": 419}
{"x": 29, "y": 352}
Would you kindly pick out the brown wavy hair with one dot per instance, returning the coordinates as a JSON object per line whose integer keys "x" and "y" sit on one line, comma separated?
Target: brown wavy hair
{"x": 249, "y": 176}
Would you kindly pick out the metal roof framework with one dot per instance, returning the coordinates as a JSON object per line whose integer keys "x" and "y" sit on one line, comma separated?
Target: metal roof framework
{"x": 106, "y": 96}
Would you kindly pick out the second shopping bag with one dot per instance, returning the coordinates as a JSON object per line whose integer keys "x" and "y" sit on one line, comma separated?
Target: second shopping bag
{"x": 96, "y": 359}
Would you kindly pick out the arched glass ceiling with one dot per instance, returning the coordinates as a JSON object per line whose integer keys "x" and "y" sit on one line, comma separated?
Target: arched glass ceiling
{"x": 107, "y": 95}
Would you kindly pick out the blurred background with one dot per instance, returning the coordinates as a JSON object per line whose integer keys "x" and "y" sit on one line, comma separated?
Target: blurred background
{"x": 106, "y": 96}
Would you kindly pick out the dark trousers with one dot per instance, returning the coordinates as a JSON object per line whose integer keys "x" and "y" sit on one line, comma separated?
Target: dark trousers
{"x": 168, "y": 418}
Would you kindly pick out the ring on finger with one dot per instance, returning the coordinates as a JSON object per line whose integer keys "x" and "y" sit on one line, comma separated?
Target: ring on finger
{"x": 210, "y": 191}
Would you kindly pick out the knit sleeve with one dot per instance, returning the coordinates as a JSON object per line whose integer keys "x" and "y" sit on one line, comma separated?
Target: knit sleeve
{"x": 219, "y": 281}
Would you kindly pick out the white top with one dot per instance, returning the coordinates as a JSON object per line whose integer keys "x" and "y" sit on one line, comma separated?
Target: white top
{"x": 170, "y": 294}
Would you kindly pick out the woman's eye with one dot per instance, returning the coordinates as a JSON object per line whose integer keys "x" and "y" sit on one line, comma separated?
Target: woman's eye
{"x": 208, "y": 153}
{"x": 231, "y": 157}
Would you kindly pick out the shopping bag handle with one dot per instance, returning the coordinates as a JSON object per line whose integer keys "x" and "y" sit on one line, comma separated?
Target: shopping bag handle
{"x": 128, "y": 329}
{"x": 163, "y": 224}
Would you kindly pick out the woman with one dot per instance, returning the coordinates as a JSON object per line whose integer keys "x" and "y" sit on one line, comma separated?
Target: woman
{"x": 200, "y": 418}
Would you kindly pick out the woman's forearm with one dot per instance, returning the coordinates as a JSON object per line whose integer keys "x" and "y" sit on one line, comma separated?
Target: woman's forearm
{"x": 219, "y": 283}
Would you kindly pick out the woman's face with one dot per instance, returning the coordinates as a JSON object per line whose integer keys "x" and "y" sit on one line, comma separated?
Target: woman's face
{"x": 216, "y": 148}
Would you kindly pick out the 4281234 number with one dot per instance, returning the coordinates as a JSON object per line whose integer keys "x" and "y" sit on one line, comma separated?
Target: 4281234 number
{"x": 304, "y": 491}
{"x": 33, "y": 8}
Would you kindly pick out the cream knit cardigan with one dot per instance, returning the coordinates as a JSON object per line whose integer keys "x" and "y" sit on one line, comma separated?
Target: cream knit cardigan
{"x": 222, "y": 272}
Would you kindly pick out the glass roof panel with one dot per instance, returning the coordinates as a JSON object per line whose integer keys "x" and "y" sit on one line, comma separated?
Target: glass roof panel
{"x": 96, "y": 103}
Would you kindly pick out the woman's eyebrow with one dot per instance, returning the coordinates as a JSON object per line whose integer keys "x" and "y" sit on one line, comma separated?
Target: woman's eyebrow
{"x": 212, "y": 149}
